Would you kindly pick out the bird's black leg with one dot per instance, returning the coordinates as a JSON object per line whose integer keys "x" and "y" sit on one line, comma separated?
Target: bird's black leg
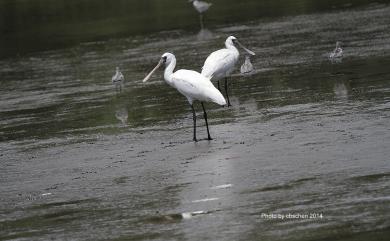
{"x": 218, "y": 86}
{"x": 207, "y": 124}
{"x": 194, "y": 118}
{"x": 226, "y": 90}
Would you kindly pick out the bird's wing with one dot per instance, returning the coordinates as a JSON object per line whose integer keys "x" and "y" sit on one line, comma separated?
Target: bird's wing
{"x": 196, "y": 87}
{"x": 190, "y": 80}
{"x": 217, "y": 60}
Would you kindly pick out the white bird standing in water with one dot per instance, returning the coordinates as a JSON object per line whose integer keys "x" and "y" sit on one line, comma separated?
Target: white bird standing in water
{"x": 337, "y": 52}
{"x": 221, "y": 63}
{"x": 201, "y": 7}
{"x": 191, "y": 84}
{"x": 118, "y": 79}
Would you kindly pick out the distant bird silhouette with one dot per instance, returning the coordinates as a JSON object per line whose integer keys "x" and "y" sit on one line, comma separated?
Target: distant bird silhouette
{"x": 201, "y": 7}
{"x": 337, "y": 52}
{"x": 118, "y": 79}
{"x": 247, "y": 66}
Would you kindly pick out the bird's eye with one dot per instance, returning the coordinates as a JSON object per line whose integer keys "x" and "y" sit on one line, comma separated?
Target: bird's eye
{"x": 164, "y": 59}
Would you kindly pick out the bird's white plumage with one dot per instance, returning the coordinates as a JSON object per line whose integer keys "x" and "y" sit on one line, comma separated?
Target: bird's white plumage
{"x": 195, "y": 86}
{"x": 201, "y": 6}
{"x": 220, "y": 63}
{"x": 190, "y": 83}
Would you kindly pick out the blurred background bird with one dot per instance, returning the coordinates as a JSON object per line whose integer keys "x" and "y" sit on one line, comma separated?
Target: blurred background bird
{"x": 247, "y": 66}
{"x": 118, "y": 79}
{"x": 201, "y": 7}
{"x": 337, "y": 52}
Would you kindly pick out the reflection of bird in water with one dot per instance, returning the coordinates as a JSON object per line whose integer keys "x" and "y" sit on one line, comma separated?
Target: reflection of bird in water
{"x": 220, "y": 64}
{"x": 201, "y": 7}
{"x": 340, "y": 90}
{"x": 337, "y": 52}
{"x": 118, "y": 79}
{"x": 204, "y": 34}
{"x": 247, "y": 66}
{"x": 122, "y": 115}
{"x": 191, "y": 84}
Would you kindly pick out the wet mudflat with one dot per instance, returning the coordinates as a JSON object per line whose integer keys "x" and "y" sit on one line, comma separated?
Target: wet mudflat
{"x": 305, "y": 136}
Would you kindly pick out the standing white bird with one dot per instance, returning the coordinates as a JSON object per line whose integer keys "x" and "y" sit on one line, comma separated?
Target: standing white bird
{"x": 221, "y": 63}
{"x": 201, "y": 7}
{"x": 118, "y": 79}
{"x": 337, "y": 52}
{"x": 191, "y": 84}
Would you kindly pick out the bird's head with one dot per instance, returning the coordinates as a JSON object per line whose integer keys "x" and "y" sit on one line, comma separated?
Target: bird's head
{"x": 232, "y": 41}
{"x": 165, "y": 59}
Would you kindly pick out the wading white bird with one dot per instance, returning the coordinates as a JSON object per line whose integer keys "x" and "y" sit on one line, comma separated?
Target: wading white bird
{"x": 337, "y": 52}
{"x": 221, "y": 63}
{"x": 191, "y": 84}
{"x": 201, "y": 7}
{"x": 118, "y": 79}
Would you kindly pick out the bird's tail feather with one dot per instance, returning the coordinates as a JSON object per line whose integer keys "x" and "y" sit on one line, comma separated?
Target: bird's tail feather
{"x": 217, "y": 97}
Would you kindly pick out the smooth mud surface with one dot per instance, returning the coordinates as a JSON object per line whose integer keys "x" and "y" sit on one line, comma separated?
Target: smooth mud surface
{"x": 305, "y": 135}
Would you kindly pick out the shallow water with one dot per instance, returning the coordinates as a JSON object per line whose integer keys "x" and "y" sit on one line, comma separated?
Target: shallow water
{"x": 304, "y": 136}
{"x": 30, "y": 26}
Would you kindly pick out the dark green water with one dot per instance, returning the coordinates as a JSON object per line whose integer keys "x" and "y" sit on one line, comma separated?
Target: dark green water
{"x": 305, "y": 135}
{"x": 34, "y": 25}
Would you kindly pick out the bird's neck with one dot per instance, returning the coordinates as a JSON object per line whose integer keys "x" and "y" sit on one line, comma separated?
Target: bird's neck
{"x": 231, "y": 46}
{"x": 169, "y": 71}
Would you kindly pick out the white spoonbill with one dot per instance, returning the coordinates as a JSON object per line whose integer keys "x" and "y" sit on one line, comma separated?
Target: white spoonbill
{"x": 118, "y": 79}
{"x": 191, "y": 84}
{"x": 337, "y": 52}
{"x": 221, "y": 63}
{"x": 201, "y": 7}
